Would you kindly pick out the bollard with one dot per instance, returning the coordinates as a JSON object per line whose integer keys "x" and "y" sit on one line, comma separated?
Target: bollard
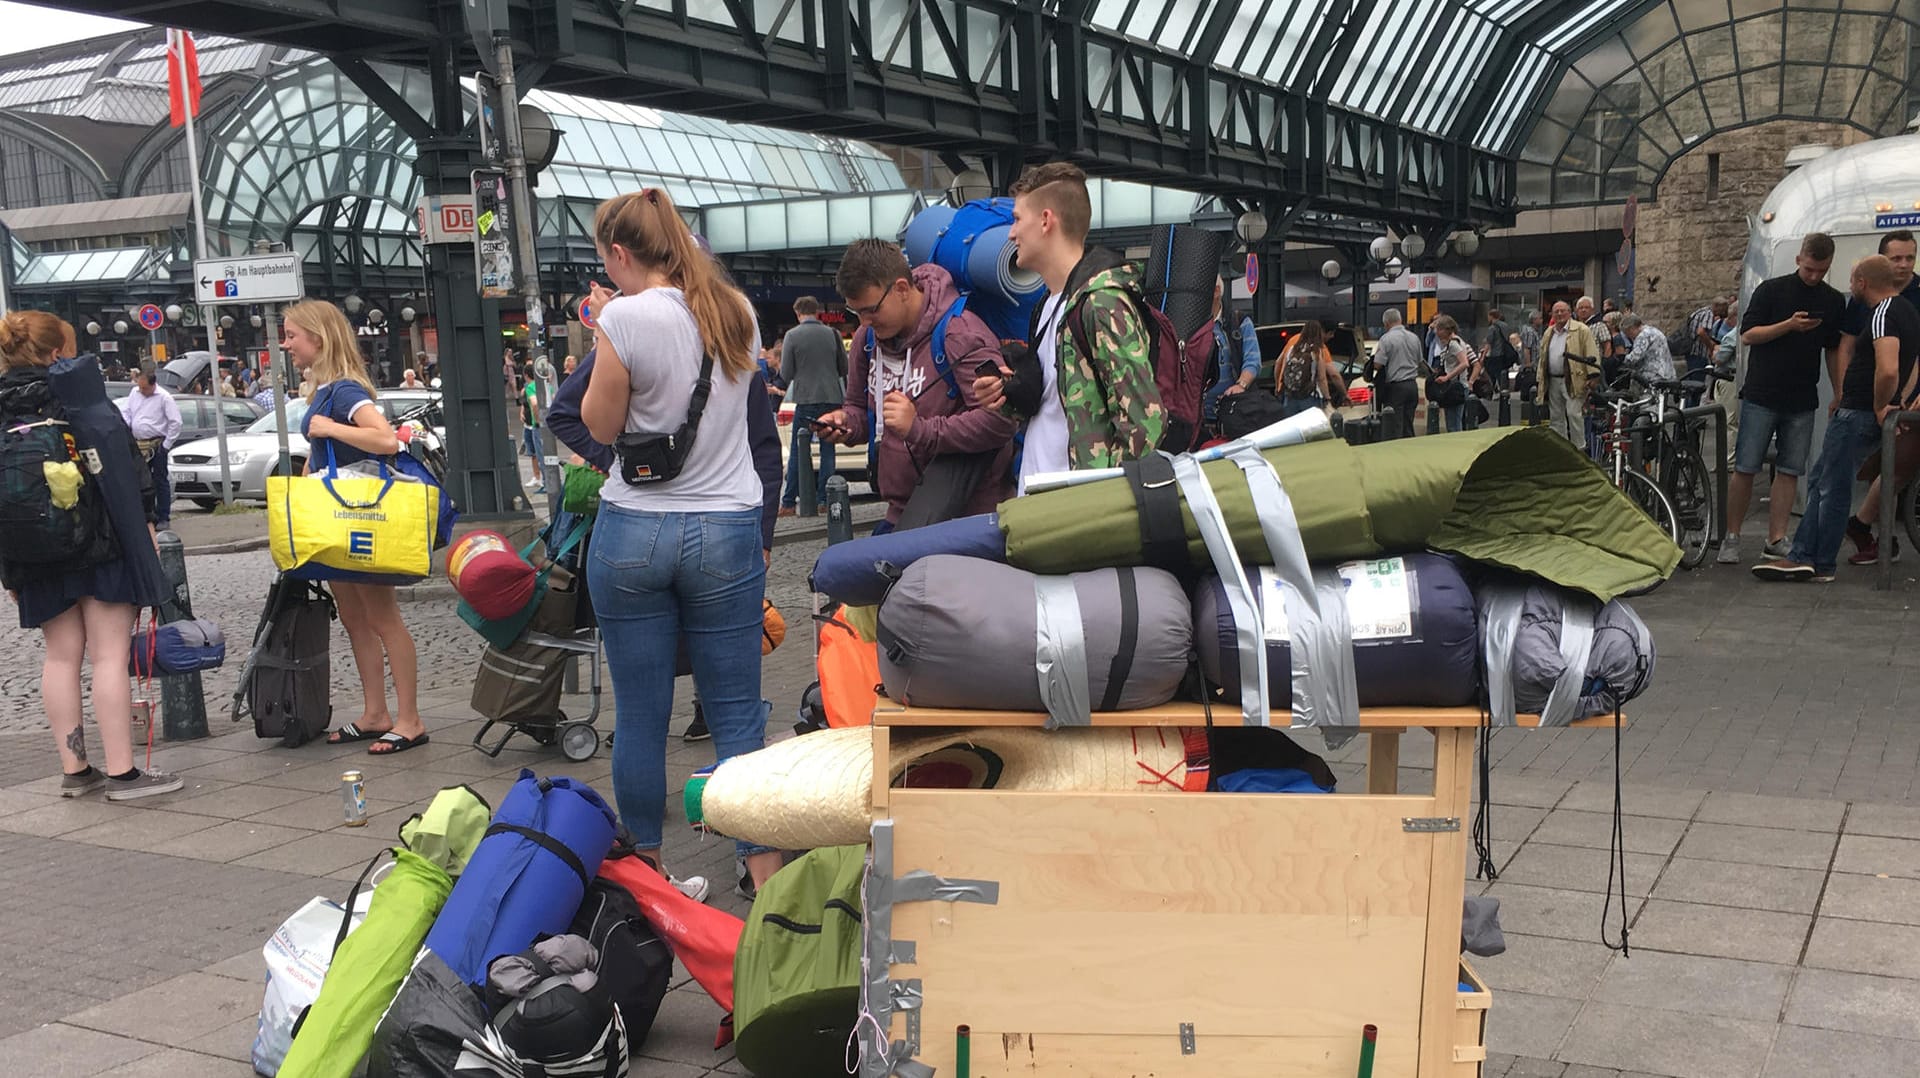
{"x": 1433, "y": 418}
{"x": 839, "y": 510}
{"x": 803, "y": 474}
{"x": 1506, "y": 410}
{"x": 183, "y": 705}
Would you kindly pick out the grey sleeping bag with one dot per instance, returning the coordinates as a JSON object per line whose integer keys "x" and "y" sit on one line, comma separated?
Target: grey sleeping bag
{"x": 969, "y": 633}
{"x": 1558, "y": 653}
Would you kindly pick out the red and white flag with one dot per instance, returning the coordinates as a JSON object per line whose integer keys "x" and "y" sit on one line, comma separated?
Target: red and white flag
{"x": 183, "y": 77}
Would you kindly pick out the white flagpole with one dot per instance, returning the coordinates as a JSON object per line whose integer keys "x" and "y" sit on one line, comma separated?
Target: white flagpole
{"x": 177, "y": 39}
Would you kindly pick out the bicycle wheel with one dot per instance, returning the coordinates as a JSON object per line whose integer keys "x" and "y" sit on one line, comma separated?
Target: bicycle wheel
{"x": 1691, "y": 490}
{"x": 1654, "y": 502}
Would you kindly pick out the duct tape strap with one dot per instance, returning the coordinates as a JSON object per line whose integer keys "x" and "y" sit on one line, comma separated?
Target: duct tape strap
{"x": 876, "y": 997}
{"x": 1060, "y": 652}
{"x": 1226, "y": 562}
{"x": 923, "y": 886}
{"x": 1577, "y": 614}
{"x": 1503, "y": 603}
{"x": 1320, "y": 636}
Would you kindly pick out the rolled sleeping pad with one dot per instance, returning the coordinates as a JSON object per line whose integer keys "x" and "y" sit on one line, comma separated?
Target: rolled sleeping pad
{"x": 859, "y": 572}
{"x": 1183, "y": 264}
{"x": 526, "y": 879}
{"x": 488, "y": 572}
{"x": 972, "y": 243}
{"x": 1416, "y": 641}
{"x": 968, "y": 633}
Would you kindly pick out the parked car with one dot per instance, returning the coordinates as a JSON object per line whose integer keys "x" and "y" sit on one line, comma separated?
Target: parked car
{"x": 253, "y": 452}
{"x": 197, "y": 412}
{"x": 852, "y": 462}
{"x": 1350, "y": 349}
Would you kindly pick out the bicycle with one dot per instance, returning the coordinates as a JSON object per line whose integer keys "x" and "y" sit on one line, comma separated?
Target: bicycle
{"x": 1618, "y": 444}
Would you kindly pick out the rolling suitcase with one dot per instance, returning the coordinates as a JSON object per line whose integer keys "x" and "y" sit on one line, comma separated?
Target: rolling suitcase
{"x": 287, "y": 682}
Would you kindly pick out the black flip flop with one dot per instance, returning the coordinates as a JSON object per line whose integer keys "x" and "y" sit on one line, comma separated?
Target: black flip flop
{"x": 348, "y": 734}
{"x": 400, "y": 743}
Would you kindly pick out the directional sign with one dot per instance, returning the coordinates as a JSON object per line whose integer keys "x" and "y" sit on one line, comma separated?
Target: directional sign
{"x": 152, "y": 317}
{"x": 274, "y": 278}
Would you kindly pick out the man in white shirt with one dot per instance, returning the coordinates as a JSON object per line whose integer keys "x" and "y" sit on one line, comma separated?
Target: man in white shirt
{"x": 155, "y": 420}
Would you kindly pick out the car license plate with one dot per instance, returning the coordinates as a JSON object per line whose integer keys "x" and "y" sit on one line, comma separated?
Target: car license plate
{"x": 186, "y": 477}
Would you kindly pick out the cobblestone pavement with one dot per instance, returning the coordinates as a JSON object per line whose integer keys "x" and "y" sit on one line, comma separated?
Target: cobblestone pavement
{"x": 1773, "y": 870}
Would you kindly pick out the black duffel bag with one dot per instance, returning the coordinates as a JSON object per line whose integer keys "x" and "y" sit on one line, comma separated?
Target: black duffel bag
{"x": 1240, "y": 414}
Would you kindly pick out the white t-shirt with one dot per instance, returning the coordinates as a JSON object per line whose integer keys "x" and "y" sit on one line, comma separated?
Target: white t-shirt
{"x": 1045, "y": 447}
{"x": 657, "y": 341}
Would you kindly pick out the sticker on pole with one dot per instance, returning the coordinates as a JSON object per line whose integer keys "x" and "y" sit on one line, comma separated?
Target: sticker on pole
{"x": 152, "y": 317}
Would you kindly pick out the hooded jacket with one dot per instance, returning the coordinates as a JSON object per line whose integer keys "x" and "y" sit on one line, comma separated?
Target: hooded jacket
{"x": 942, "y": 423}
{"x": 1110, "y": 398}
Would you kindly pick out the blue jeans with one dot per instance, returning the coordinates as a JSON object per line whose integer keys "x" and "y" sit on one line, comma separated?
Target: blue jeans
{"x": 654, "y": 578}
{"x": 1852, "y": 436}
{"x": 804, "y": 414}
{"x": 1293, "y": 406}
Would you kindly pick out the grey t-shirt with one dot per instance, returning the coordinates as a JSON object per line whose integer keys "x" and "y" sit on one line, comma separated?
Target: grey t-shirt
{"x": 1398, "y": 355}
{"x": 814, "y": 361}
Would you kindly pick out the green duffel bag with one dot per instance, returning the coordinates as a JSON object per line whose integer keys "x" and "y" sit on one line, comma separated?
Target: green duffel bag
{"x": 796, "y": 976}
{"x": 580, "y": 488}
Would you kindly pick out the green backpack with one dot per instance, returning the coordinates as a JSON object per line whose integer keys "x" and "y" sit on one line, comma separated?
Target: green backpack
{"x": 796, "y": 976}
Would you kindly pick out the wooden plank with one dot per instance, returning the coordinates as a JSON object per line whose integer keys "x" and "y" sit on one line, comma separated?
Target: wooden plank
{"x": 1452, "y": 796}
{"x": 1119, "y": 914}
{"x": 997, "y": 1054}
{"x": 1383, "y": 761}
{"x": 882, "y": 767}
{"x": 1187, "y": 714}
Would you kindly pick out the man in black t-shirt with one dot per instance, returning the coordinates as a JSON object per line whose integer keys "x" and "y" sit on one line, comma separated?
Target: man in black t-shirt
{"x": 1899, "y": 247}
{"x": 1788, "y": 323}
{"x": 1883, "y": 360}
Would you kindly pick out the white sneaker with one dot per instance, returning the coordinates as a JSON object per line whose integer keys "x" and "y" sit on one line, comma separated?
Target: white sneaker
{"x": 1729, "y": 551}
{"x": 1779, "y": 548}
{"x": 694, "y": 887}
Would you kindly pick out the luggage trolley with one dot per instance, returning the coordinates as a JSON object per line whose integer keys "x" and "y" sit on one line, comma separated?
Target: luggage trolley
{"x": 538, "y": 658}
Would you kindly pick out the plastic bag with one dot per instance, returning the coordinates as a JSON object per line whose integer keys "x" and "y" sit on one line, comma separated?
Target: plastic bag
{"x": 297, "y": 955}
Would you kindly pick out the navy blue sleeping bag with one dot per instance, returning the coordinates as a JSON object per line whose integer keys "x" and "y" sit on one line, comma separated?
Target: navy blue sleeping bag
{"x": 859, "y": 572}
{"x": 1416, "y": 637}
{"x": 178, "y": 647}
{"x": 526, "y": 878}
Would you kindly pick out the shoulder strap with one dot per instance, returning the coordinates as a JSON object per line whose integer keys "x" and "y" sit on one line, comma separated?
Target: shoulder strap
{"x": 939, "y": 343}
{"x": 1163, "y": 534}
{"x": 702, "y": 389}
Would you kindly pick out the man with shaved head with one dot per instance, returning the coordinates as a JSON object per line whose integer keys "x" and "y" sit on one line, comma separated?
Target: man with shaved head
{"x": 1883, "y": 359}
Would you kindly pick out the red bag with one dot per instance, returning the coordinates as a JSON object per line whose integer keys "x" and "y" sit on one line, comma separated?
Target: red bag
{"x": 704, "y": 939}
{"x": 490, "y": 575}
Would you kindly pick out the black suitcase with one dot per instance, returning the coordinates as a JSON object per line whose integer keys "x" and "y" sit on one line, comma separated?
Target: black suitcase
{"x": 287, "y": 685}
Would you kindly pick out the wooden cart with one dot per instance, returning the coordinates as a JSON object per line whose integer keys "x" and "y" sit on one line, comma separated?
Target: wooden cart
{"x": 1173, "y": 935}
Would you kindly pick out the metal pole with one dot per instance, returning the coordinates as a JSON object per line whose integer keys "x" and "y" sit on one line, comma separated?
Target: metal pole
{"x": 200, "y": 254}
{"x": 183, "y": 704}
{"x": 803, "y": 471}
{"x": 839, "y": 510}
{"x": 527, "y": 258}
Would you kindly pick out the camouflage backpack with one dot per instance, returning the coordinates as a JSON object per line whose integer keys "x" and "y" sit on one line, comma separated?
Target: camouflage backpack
{"x": 1179, "y": 367}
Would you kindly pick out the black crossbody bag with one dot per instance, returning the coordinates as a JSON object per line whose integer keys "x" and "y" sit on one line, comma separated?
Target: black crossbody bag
{"x": 658, "y": 458}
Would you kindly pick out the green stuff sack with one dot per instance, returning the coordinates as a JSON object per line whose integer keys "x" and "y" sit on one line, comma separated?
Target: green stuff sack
{"x": 1522, "y": 498}
{"x": 368, "y": 967}
{"x": 580, "y": 488}
{"x": 796, "y": 976}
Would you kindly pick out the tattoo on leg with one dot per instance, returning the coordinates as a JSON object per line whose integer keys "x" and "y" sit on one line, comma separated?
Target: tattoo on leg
{"x": 77, "y": 744}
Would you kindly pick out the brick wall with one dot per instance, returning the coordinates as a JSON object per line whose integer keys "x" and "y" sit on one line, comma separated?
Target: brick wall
{"x": 1690, "y": 245}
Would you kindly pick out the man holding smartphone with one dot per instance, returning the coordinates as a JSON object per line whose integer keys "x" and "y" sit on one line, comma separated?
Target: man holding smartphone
{"x": 1789, "y": 322}
{"x": 1899, "y": 248}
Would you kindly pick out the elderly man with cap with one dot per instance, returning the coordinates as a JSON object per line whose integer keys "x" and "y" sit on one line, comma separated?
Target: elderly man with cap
{"x": 154, "y": 418}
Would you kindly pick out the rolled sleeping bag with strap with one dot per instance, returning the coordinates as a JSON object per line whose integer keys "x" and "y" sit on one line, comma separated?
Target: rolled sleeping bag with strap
{"x": 1558, "y": 653}
{"x": 859, "y": 572}
{"x": 528, "y": 875}
{"x": 1416, "y": 641}
{"x": 969, "y": 633}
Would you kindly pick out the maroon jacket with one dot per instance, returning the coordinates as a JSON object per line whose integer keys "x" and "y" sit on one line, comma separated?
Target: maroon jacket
{"x": 942, "y": 424}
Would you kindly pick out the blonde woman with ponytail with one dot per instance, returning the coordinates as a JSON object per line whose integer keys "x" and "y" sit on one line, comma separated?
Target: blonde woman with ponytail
{"x": 680, "y": 556}
{"x": 343, "y": 422}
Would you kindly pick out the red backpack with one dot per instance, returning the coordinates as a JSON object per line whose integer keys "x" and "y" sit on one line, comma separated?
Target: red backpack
{"x": 1179, "y": 368}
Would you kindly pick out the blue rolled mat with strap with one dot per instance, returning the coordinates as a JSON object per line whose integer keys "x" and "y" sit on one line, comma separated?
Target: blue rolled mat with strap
{"x": 859, "y": 572}
{"x": 528, "y": 875}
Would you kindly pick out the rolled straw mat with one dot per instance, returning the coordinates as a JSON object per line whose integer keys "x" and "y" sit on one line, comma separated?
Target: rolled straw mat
{"x": 816, "y": 789}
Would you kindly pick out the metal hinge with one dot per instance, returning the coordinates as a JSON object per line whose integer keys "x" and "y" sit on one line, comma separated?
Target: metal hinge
{"x": 1186, "y": 1039}
{"x": 1429, "y": 824}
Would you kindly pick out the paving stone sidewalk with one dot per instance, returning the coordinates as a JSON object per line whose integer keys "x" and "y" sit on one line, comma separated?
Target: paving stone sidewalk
{"x": 1773, "y": 865}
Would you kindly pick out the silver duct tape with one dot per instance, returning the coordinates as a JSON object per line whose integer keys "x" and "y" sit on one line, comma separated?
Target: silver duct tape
{"x": 906, "y": 996}
{"x": 1577, "y": 614}
{"x": 1240, "y": 597}
{"x": 904, "y": 953}
{"x": 1504, "y": 604}
{"x": 923, "y": 886}
{"x": 1060, "y": 652}
{"x": 876, "y": 997}
{"x": 1320, "y": 635}
{"x": 912, "y": 1068}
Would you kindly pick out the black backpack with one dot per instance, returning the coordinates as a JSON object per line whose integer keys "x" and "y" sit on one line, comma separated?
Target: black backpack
{"x": 635, "y": 964}
{"x": 51, "y": 512}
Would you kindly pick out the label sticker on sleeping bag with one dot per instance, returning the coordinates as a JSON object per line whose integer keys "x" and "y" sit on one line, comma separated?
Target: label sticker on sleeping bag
{"x": 1379, "y": 600}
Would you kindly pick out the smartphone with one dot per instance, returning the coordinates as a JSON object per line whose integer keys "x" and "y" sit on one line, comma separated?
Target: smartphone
{"x": 818, "y": 426}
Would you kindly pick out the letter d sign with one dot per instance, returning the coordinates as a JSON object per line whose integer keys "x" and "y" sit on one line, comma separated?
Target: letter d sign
{"x": 360, "y": 544}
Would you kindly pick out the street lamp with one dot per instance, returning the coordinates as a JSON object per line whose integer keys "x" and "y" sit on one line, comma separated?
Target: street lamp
{"x": 256, "y": 320}
{"x": 968, "y": 186}
{"x": 376, "y": 316}
{"x": 1250, "y": 227}
{"x": 93, "y": 329}
{"x": 173, "y": 312}
{"x": 408, "y": 314}
{"x": 1392, "y": 268}
{"x": 1331, "y": 270}
{"x": 120, "y": 327}
{"x": 1412, "y": 245}
{"x": 1381, "y": 248}
{"x": 1467, "y": 243}
{"x": 226, "y": 321}
{"x": 353, "y": 304}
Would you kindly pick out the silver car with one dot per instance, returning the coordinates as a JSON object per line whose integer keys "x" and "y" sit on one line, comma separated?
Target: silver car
{"x": 252, "y": 453}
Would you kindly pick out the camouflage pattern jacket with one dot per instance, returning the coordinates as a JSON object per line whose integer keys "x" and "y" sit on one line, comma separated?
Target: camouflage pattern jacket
{"x": 1111, "y": 401}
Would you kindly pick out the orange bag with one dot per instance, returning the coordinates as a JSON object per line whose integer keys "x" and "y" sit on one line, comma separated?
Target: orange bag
{"x": 849, "y": 670}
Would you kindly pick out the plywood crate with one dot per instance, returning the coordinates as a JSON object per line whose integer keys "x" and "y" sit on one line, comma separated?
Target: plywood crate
{"x": 1470, "y": 1025}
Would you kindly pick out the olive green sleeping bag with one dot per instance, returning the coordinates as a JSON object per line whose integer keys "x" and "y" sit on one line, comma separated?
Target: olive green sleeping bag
{"x": 796, "y": 976}
{"x": 1519, "y": 497}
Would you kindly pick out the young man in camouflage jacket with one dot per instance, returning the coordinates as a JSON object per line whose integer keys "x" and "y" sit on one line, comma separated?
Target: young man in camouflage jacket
{"x": 1099, "y": 405}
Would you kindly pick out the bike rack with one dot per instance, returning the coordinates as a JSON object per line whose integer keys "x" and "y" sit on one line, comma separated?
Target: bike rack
{"x": 1888, "y": 493}
{"x": 1719, "y": 414}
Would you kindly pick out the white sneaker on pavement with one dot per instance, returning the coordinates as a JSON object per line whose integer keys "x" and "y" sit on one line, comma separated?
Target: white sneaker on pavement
{"x": 1729, "y": 551}
{"x": 694, "y": 887}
